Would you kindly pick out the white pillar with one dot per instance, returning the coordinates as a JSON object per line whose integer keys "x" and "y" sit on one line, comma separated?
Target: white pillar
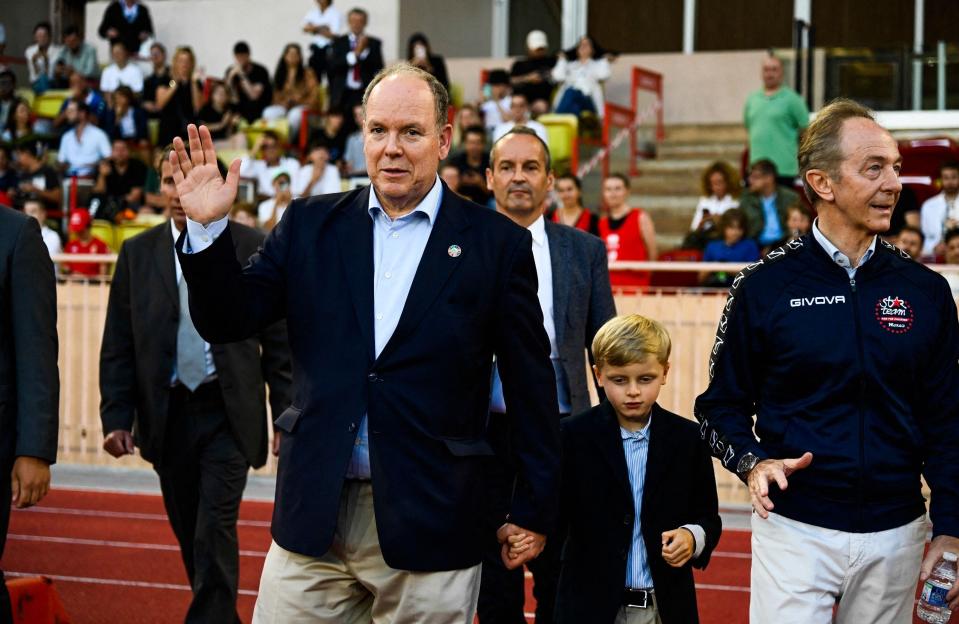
{"x": 575, "y": 14}
{"x": 500, "y": 34}
{"x": 917, "y": 43}
{"x": 689, "y": 26}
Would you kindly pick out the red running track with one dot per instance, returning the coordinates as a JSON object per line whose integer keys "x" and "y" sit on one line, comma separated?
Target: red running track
{"x": 114, "y": 559}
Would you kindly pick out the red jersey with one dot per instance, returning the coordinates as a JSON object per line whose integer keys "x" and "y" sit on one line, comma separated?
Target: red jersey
{"x": 95, "y": 246}
{"x": 587, "y": 221}
{"x": 625, "y": 242}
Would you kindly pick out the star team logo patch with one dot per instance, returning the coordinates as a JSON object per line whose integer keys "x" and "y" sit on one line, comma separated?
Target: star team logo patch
{"x": 894, "y": 314}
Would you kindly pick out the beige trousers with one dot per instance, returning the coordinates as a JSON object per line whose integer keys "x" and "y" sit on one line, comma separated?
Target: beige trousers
{"x": 352, "y": 583}
{"x": 800, "y": 571}
{"x": 632, "y": 615}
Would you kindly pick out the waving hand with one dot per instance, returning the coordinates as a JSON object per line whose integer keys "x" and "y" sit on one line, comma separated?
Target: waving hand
{"x": 204, "y": 195}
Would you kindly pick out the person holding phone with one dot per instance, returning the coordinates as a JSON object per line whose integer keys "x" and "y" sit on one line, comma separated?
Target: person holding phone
{"x": 419, "y": 54}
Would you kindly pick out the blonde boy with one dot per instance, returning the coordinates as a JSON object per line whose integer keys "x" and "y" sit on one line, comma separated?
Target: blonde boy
{"x": 639, "y": 495}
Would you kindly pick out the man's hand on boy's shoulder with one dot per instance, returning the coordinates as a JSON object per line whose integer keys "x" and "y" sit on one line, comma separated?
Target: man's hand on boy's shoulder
{"x": 678, "y": 546}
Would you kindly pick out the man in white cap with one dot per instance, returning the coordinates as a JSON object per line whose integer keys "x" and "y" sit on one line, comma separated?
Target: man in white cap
{"x": 532, "y": 75}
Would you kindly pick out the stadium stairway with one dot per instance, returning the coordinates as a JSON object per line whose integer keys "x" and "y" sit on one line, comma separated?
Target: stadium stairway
{"x": 668, "y": 186}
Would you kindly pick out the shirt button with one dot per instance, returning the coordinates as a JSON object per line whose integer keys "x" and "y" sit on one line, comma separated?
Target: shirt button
{"x": 395, "y": 235}
{"x": 388, "y": 275}
{"x": 379, "y": 317}
{"x": 205, "y": 238}
{"x": 352, "y": 427}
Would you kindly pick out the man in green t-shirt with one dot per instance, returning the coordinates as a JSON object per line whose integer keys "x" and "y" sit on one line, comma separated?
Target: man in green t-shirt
{"x": 774, "y": 117}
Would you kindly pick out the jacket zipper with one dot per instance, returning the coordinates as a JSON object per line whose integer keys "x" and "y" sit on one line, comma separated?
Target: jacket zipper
{"x": 859, "y": 403}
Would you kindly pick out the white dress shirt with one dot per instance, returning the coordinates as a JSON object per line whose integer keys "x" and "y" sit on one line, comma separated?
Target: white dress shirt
{"x": 329, "y": 182}
{"x": 331, "y": 18}
{"x": 351, "y": 60}
{"x": 264, "y": 173}
{"x": 936, "y": 211}
{"x": 113, "y": 76}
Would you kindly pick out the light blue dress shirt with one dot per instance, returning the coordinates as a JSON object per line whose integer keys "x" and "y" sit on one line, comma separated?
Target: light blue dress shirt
{"x": 636, "y": 449}
{"x": 839, "y": 257}
{"x": 772, "y": 229}
{"x": 398, "y": 246}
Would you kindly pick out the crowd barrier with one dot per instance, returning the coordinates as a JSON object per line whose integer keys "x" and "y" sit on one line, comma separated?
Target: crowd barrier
{"x": 690, "y": 316}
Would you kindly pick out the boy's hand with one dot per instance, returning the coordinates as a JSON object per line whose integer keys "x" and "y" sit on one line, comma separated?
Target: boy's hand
{"x": 678, "y": 547}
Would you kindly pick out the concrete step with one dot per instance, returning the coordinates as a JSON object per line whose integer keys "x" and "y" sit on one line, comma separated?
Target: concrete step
{"x": 705, "y": 133}
{"x": 730, "y": 152}
{"x": 681, "y": 183}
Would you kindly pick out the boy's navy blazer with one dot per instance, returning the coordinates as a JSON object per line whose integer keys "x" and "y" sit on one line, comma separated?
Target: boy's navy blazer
{"x": 426, "y": 395}
{"x": 598, "y": 513}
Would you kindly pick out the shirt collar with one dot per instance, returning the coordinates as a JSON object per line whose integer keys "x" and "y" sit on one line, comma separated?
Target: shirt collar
{"x": 429, "y": 205}
{"x": 641, "y": 434}
{"x": 837, "y": 256}
{"x": 176, "y": 232}
{"x": 538, "y": 229}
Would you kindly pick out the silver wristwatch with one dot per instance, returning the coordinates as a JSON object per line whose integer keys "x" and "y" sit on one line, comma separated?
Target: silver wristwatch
{"x": 746, "y": 463}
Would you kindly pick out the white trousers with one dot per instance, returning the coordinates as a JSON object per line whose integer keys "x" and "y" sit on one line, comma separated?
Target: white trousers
{"x": 800, "y": 573}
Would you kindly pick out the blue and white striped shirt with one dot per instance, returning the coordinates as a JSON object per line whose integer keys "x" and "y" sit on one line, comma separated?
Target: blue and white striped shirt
{"x": 636, "y": 449}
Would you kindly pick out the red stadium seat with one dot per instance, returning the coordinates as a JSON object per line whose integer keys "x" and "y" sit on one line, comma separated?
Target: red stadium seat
{"x": 678, "y": 278}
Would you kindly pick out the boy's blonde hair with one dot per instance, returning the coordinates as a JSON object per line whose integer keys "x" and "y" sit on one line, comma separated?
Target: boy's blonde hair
{"x": 629, "y": 339}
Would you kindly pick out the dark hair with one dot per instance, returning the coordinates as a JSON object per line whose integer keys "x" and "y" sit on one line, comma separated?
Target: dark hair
{"x": 280, "y": 75}
{"x": 71, "y": 30}
{"x": 949, "y": 164}
{"x": 572, "y": 54}
{"x": 572, "y": 178}
{"x": 271, "y": 134}
{"x": 950, "y": 234}
{"x": 619, "y": 176}
{"x": 359, "y": 11}
{"x": 733, "y": 216}
{"x": 82, "y": 107}
{"x": 526, "y": 131}
{"x": 914, "y": 230}
{"x": 34, "y": 147}
{"x": 413, "y": 40}
{"x": 474, "y": 129}
{"x": 45, "y": 25}
{"x": 764, "y": 166}
{"x": 11, "y": 117}
{"x": 241, "y": 47}
{"x": 498, "y": 76}
{"x": 128, "y": 93}
{"x": 729, "y": 175}
{"x": 157, "y": 44}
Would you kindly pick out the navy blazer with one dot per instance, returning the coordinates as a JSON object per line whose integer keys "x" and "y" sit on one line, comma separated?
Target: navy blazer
{"x": 599, "y": 512}
{"x": 426, "y": 395}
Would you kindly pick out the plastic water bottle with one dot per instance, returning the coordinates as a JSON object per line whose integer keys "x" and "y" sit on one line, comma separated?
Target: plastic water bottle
{"x": 932, "y": 605}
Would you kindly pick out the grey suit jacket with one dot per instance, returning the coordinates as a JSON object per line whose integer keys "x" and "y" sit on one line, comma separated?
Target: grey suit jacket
{"x": 582, "y": 301}
{"x": 29, "y": 377}
{"x": 139, "y": 351}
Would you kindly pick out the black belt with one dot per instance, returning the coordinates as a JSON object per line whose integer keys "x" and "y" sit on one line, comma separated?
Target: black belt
{"x": 637, "y": 598}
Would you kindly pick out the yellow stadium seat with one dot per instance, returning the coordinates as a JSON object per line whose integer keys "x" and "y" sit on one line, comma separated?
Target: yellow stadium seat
{"x": 280, "y": 126}
{"x": 126, "y": 231}
{"x": 27, "y": 94}
{"x": 153, "y": 131}
{"x": 105, "y": 231}
{"x": 562, "y": 131}
{"x": 456, "y": 94}
{"x": 48, "y": 104}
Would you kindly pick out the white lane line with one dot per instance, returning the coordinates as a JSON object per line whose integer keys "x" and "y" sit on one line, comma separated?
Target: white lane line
{"x": 54, "y": 539}
{"x": 115, "y": 582}
{"x": 729, "y": 588}
{"x": 127, "y": 515}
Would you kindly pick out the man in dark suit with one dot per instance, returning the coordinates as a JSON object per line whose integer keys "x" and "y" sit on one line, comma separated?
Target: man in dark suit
{"x": 29, "y": 378}
{"x": 126, "y": 21}
{"x": 396, "y": 299}
{"x": 354, "y": 58}
{"x": 197, "y": 411}
{"x": 576, "y": 299}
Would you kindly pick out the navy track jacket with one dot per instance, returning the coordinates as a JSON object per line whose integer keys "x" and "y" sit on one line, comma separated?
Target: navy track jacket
{"x": 862, "y": 372}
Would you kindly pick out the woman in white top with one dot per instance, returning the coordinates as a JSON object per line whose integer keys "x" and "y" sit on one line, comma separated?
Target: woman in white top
{"x": 580, "y": 73}
{"x": 720, "y": 186}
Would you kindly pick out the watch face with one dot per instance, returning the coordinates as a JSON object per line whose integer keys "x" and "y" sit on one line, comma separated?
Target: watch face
{"x": 746, "y": 463}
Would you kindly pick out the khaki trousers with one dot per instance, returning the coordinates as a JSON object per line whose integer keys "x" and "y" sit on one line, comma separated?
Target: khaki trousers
{"x": 801, "y": 571}
{"x": 633, "y": 615}
{"x": 352, "y": 583}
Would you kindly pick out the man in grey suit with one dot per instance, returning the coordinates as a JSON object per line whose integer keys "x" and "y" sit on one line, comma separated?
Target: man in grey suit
{"x": 197, "y": 411}
{"x": 29, "y": 378}
{"x": 575, "y": 295}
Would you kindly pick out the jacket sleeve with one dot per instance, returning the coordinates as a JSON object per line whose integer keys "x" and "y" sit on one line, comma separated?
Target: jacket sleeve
{"x": 118, "y": 374}
{"x": 229, "y": 303}
{"x": 35, "y": 343}
{"x": 725, "y": 410}
{"x": 704, "y": 503}
{"x": 602, "y": 307}
{"x": 938, "y": 417}
{"x": 108, "y": 19}
{"x": 529, "y": 387}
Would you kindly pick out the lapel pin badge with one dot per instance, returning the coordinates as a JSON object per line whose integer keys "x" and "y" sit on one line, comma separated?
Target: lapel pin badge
{"x": 454, "y": 251}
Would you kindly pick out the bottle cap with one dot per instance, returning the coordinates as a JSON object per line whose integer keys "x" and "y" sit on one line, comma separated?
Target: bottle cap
{"x": 949, "y": 556}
